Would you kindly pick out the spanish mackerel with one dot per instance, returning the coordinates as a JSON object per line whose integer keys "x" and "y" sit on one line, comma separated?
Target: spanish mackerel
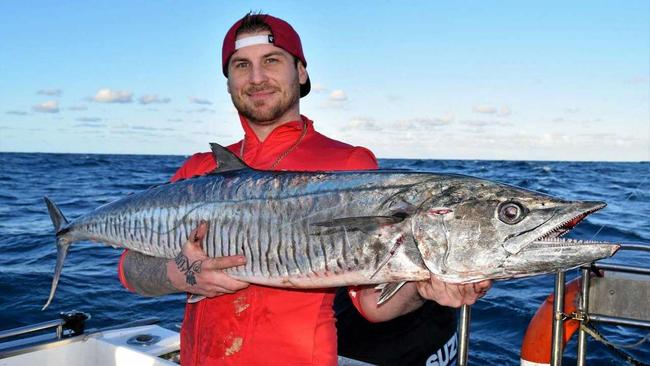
{"x": 331, "y": 229}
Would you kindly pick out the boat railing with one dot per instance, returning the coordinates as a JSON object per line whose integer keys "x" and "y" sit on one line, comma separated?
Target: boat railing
{"x": 629, "y": 289}
{"x": 603, "y": 299}
{"x": 70, "y": 324}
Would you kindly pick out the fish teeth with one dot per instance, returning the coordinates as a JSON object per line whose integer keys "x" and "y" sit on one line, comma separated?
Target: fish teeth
{"x": 559, "y": 227}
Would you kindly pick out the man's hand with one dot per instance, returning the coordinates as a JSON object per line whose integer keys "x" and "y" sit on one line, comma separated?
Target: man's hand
{"x": 194, "y": 272}
{"x": 454, "y": 295}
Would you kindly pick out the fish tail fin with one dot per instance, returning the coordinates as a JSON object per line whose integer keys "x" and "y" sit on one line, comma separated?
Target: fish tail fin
{"x": 62, "y": 246}
{"x": 60, "y": 222}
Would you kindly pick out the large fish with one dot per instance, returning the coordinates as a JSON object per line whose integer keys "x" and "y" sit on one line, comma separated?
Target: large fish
{"x": 330, "y": 229}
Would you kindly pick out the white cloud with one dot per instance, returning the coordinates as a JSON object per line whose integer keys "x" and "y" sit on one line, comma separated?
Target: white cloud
{"x": 486, "y": 109}
{"x": 571, "y": 110}
{"x": 151, "y": 129}
{"x": 362, "y": 123}
{"x": 426, "y": 122}
{"x": 477, "y": 123}
{"x": 91, "y": 124}
{"x": 476, "y": 126}
{"x": 202, "y": 110}
{"x": 50, "y": 92}
{"x": 504, "y": 111}
{"x": 638, "y": 80}
{"x": 51, "y": 106}
{"x": 113, "y": 96}
{"x": 445, "y": 118}
{"x": 196, "y": 100}
{"x": 338, "y": 96}
{"x": 393, "y": 98}
{"x": 17, "y": 113}
{"x": 89, "y": 119}
{"x": 318, "y": 87}
{"x": 153, "y": 98}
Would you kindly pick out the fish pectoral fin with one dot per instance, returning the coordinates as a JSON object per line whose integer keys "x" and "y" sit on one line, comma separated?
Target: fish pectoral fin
{"x": 226, "y": 160}
{"x": 366, "y": 224}
{"x": 391, "y": 253}
{"x": 194, "y": 298}
{"x": 388, "y": 290}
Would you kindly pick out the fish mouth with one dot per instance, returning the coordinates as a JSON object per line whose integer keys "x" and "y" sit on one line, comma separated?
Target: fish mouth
{"x": 555, "y": 233}
{"x": 550, "y": 252}
{"x": 552, "y": 230}
{"x": 554, "y": 236}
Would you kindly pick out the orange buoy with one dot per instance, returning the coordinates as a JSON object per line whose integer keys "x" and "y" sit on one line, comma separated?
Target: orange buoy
{"x": 536, "y": 347}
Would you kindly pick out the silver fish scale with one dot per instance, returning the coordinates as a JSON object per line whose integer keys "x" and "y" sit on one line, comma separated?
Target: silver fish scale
{"x": 268, "y": 217}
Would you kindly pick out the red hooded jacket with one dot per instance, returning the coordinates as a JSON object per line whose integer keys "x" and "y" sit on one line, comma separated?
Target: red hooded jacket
{"x": 262, "y": 325}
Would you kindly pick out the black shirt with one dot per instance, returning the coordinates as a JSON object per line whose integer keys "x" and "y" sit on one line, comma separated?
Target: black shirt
{"x": 411, "y": 339}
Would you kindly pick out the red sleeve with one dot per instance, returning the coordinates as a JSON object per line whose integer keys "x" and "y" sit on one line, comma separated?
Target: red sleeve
{"x": 120, "y": 272}
{"x": 361, "y": 159}
{"x": 196, "y": 164}
{"x": 353, "y": 292}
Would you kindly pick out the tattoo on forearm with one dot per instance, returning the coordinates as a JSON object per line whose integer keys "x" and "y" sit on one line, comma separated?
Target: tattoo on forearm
{"x": 147, "y": 275}
{"x": 187, "y": 268}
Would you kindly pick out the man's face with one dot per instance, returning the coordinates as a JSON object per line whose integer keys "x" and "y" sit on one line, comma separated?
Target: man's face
{"x": 264, "y": 82}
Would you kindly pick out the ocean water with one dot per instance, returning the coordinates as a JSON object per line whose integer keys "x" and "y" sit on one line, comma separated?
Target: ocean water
{"x": 79, "y": 183}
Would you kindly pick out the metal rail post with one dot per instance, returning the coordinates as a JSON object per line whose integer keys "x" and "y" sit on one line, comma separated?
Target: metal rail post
{"x": 463, "y": 334}
{"x": 558, "y": 320}
{"x": 583, "y": 306}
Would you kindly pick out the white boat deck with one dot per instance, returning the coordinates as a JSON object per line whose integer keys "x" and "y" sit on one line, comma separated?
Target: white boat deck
{"x": 104, "y": 348}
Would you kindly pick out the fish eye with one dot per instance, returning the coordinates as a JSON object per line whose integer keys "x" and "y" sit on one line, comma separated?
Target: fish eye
{"x": 511, "y": 212}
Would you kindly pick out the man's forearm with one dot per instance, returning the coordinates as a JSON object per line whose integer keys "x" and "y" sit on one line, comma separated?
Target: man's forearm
{"x": 147, "y": 275}
{"x": 404, "y": 301}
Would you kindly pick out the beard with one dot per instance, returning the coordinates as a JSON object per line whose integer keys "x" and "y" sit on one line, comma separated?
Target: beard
{"x": 266, "y": 112}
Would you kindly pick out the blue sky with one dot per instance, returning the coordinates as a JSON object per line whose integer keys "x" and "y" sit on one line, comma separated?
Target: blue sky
{"x": 440, "y": 80}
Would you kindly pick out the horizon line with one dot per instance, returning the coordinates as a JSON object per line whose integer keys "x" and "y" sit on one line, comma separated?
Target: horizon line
{"x": 379, "y": 158}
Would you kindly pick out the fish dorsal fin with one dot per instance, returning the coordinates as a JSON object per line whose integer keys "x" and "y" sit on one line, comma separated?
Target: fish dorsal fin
{"x": 226, "y": 160}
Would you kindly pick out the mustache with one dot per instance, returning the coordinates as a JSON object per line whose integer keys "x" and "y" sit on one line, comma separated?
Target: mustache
{"x": 260, "y": 88}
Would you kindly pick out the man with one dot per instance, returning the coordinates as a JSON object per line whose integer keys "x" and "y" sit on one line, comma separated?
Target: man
{"x": 242, "y": 324}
